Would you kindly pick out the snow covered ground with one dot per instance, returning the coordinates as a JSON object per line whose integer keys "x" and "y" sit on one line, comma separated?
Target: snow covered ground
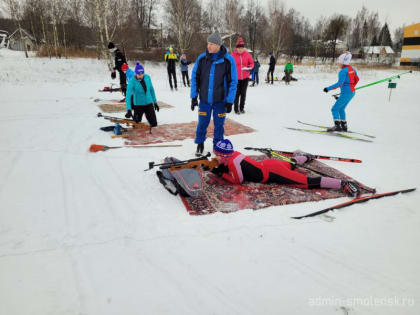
{"x": 92, "y": 234}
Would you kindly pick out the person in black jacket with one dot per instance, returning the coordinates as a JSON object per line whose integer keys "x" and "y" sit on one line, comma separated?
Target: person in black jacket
{"x": 119, "y": 61}
{"x": 271, "y": 68}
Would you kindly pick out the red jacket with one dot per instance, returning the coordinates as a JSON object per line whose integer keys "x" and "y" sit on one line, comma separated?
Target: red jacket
{"x": 243, "y": 60}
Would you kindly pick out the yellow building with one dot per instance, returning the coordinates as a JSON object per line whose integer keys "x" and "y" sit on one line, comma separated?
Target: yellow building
{"x": 410, "y": 54}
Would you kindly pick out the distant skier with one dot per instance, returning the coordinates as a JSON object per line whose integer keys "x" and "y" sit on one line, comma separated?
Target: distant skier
{"x": 237, "y": 168}
{"x": 271, "y": 67}
{"x": 141, "y": 97}
{"x": 119, "y": 61}
{"x": 244, "y": 65}
{"x": 184, "y": 69}
{"x": 255, "y": 72}
{"x": 214, "y": 79}
{"x": 347, "y": 80}
{"x": 171, "y": 59}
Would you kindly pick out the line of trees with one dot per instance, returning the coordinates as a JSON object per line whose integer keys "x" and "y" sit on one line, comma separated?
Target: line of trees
{"x": 146, "y": 24}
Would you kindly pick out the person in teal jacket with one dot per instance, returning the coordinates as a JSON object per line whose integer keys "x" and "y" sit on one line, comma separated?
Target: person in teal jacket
{"x": 141, "y": 97}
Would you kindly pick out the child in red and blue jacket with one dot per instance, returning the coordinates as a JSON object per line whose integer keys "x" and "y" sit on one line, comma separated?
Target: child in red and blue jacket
{"x": 237, "y": 168}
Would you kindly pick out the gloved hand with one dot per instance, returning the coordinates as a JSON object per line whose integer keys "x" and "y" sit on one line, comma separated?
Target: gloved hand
{"x": 156, "y": 106}
{"x": 128, "y": 114}
{"x": 220, "y": 170}
{"x": 194, "y": 103}
{"x": 113, "y": 75}
{"x": 228, "y": 107}
{"x": 325, "y": 90}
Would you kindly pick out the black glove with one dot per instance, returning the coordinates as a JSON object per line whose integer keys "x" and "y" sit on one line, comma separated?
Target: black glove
{"x": 113, "y": 75}
{"x": 228, "y": 107}
{"x": 325, "y": 90}
{"x": 220, "y": 170}
{"x": 156, "y": 106}
{"x": 194, "y": 103}
{"x": 128, "y": 114}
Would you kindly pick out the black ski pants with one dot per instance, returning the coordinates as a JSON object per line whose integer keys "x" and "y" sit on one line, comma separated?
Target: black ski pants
{"x": 241, "y": 94}
{"x": 270, "y": 71}
{"x": 123, "y": 82}
{"x": 185, "y": 77}
{"x": 149, "y": 110}
{"x": 172, "y": 74}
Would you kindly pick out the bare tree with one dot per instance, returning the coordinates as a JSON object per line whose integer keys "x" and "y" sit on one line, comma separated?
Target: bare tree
{"x": 183, "y": 16}
{"x": 253, "y": 20}
{"x": 336, "y": 28}
{"x": 278, "y": 26}
{"x": 233, "y": 15}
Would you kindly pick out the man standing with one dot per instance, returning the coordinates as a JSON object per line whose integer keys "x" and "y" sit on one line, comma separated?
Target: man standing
{"x": 244, "y": 65}
{"x": 119, "y": 61}
{"x": 214, "y": 79}
{"x": 271, "y": 68}
{"x": 347, "y": 80}
{"x": 171, "y": 59}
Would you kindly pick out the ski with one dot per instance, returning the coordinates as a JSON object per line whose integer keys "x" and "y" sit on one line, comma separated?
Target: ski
{"x": 330, "y": 133}
{"x": 321, "y": 157}
{"x": 325, "y": 127}
{"x": 354, "y": 201}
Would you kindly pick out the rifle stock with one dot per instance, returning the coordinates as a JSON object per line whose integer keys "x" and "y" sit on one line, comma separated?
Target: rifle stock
{"x": 197, "y": 163}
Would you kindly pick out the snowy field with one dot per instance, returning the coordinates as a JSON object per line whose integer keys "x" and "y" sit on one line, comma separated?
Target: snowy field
{"x": 93, "y": 234}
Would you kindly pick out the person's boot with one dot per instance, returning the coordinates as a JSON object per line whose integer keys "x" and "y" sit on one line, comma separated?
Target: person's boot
{"x": 200, "y": 149}
{"x": 242, "y": 111}
{"x": 350, "y": 187}
{"x": 336, "y": 127}
{"x": 344, "y": 125}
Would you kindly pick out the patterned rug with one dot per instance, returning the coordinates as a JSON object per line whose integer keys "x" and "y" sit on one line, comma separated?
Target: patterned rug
{"x": 120, "y": 107}
{"x": 182, "y": 131}
{"x": 222, "y": 196}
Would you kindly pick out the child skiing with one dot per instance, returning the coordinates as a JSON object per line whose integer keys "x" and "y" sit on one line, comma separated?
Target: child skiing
{"x": 141, "y": 97}
{"x": 347, "y": 80}
{"x": 237, "y": 168}
{"x": 184, "y": 69}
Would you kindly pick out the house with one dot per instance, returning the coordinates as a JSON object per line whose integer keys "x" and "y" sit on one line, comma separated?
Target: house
{"x": 378, "y": 51}
{"x": 16, "y": 42}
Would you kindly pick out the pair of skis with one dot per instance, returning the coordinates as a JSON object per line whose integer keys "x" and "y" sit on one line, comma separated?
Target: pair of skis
{"x": 347, "y": 134}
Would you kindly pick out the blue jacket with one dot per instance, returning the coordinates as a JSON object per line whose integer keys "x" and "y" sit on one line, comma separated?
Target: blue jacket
{"x": 184, "y": 64}
{"x": 136, "y": 89}
{"x": 214, "y": 77}
{"x": 343, "y": 81}
{"x": 129, "y": 74}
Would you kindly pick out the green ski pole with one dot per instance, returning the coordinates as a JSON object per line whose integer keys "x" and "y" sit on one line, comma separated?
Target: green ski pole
{"x": 397, "y": 76}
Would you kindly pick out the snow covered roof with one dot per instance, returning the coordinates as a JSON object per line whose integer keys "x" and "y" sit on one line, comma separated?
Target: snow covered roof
{"x": 378, "y": 50}
{"x": 25, "y": 33}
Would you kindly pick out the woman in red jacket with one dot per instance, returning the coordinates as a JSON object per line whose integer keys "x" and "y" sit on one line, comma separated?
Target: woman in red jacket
{"x": 244, "y": 64}
{"x": 237, "y": 168}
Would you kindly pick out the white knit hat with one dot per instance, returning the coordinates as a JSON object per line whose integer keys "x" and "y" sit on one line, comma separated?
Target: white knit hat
{"x": 344, "y": 58}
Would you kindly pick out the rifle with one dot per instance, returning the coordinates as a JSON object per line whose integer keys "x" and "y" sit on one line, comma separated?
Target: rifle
{"x": 134, "y": 124}
{"x": 198, "y": 163}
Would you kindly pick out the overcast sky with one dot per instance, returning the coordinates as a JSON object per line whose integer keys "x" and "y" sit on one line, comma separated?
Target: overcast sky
{"x": 394, "y": 12}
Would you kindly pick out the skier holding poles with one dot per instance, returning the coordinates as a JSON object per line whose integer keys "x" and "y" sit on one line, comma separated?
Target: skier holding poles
{"x": 347, "y": 80}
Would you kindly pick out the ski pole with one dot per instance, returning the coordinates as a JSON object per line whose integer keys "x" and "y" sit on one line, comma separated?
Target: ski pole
{"x": 397, "y": 76}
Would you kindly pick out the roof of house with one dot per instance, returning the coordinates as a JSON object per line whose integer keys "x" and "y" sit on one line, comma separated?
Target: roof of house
{"x": 25, "y": 33}
{"x": 377, "y": 49}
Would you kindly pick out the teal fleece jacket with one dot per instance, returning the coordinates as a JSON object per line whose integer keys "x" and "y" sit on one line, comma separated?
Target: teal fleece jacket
{"x": 140, "y": 98}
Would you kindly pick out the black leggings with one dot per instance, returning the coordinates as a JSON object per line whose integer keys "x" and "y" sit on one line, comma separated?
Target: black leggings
{"x": 185, "y": 76}
{"x": 270, "y": 71}
{"x": 149, "y": 110}
{"x": 172, "y": 73}
{"x": 241, "y": 94}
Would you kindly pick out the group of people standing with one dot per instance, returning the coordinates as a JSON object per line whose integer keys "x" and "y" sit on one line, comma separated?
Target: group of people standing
{"x": 220, "y": 81}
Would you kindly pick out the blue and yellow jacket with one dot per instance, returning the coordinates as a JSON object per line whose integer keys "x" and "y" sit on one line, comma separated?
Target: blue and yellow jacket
{"x": 171, "y": 59}
{"x": 214, "y": 77}
{"x": 140, "y": 98}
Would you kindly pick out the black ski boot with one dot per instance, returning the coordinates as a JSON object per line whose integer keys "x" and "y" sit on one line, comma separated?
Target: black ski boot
{"x": 350, "y": 187}
{"x": 200, "y": 149}
{"x": 344, "y": 125}
{"x": 336, "y": 127}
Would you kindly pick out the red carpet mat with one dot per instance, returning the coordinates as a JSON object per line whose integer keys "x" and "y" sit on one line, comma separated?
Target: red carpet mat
{"x": 182, "y": 131}
{"x": 221, "y": 196}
